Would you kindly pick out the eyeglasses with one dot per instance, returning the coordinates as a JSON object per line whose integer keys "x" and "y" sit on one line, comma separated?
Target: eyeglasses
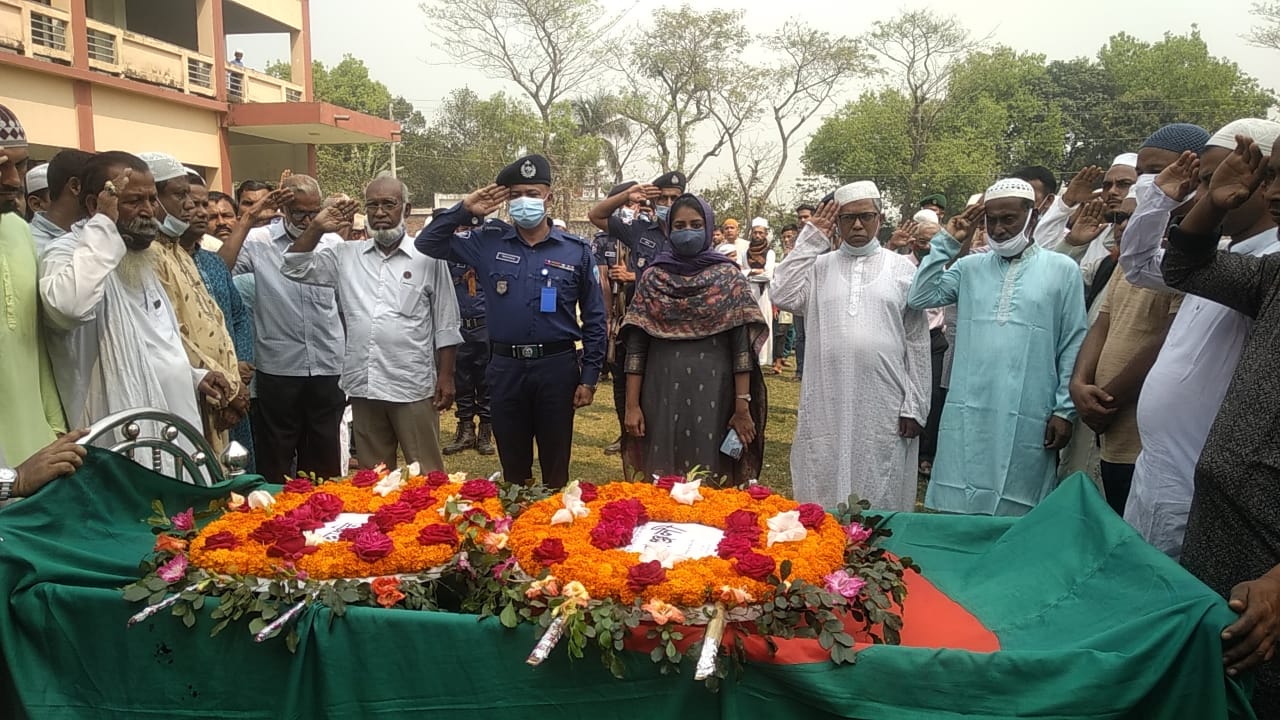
{"x": 381, "y": 205}
{"x": 296, "y": 215}
{"x": 865, "y": 218}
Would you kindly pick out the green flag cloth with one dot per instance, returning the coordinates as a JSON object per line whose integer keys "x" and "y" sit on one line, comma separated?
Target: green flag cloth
{"x": 1091, "y": 622}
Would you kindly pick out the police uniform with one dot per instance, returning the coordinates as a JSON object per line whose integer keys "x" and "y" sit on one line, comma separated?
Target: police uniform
{"x": 469, "y": 367}
{"x": 536, "y": 293}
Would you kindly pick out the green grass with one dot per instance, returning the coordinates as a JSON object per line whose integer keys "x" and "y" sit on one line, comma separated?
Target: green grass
{"x": 597, "y": 426}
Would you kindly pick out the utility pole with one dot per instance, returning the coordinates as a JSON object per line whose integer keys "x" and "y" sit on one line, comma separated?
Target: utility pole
{"x": 391, "y": 113}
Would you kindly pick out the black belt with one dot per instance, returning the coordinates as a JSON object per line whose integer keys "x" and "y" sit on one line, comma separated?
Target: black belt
{"x": 472, "y": 323}
{"x": 533, "y": 352}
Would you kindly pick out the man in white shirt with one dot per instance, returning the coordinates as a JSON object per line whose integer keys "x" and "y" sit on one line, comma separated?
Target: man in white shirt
{"x": 403, "y": 326}
{"x": 114, "y": 340}
{"x": 298, "y": 340}
{"x": 1188, "y": 382}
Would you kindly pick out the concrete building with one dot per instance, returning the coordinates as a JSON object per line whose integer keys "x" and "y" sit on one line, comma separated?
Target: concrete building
{"x": 140, "y": 75}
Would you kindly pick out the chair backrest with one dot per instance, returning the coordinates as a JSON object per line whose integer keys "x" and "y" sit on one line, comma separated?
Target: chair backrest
{"x": 167, "y": 444}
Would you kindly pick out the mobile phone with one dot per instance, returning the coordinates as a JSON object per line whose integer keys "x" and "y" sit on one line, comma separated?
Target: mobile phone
{"x": 732, "y": 445}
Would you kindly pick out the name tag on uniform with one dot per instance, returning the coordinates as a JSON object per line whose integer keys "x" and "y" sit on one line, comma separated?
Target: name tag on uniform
{"x": 610, "y": 254}
{"x": 561, "y": 266}
{"x": 648, "y": 243}
{"x": 548, "y": 304}
{"x": 508, "y": 257}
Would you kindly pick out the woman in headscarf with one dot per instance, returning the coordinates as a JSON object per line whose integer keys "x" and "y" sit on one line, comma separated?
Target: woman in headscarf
{"x": 693, "y": 334}
{"x": 757, "y": 262}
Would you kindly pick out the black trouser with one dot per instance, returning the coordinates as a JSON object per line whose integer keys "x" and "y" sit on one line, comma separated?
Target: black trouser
{"x": 799, "y": 325}
{"x": 297, "y": 418}
{"x": 533, "y": 399}
{"x": 471, "y": 385}
{"x": 937, "y": 395}
{"x": 780, "y": 332}
{"x": 1116, "y": 480}
{"x": 619, "y": 383}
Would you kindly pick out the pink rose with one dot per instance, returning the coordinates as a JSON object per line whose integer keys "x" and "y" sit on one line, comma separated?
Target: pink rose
{"x": 274, "y": 529}
{"x": 759, "y": 492}
{"x": 418, "y": 498}
{"x": 743, "y": 522}
{"x": 327, "y": 506}
{"x": 301, "y": 486}
{"x": 477, "y": 490}
{"x": 667, "y": 482}
{"x": 857, "y": 533}
{"x": 225, "y": 540}
{"x": 755, "y": 566}
{"x": 185, "y": 520}
{"x": 393, "y": 514}
{"x": 733, "y": 546}
{"x": 843, "y": 584}
{"x": 350, "y": 533}
{"x": 610, "y": 535}
{"x": 502, "y": 567}
{"x": 503, "y": 524}
{"x": 371, "y": 545}
{"x": 550, "y": 551}
{"x": 365, "y": 478}
{"x": 436, "y": 478}
{"x": 290, "y": 548}
{"x": 643, "y": 575}
{"x": 589, "y": 491}
{"x": 812, "y": 515}
{"x": 174, "y": 570}
{"x": 438, "y": 534}
{"x": 630, "y": 512}
{"x": 306, "y": 517}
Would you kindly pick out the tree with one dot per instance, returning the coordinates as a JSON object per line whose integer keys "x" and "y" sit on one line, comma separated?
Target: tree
{"x": 1268, "y": 35}
{"x": 471, "y": 140}
{"x": 598, "y": 116}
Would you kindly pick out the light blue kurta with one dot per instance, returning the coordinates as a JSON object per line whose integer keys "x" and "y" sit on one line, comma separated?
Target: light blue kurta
{"x": 1019, "y": 326}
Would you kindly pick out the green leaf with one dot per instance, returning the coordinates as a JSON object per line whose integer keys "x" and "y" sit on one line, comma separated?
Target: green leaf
{"x": 508, "y": 617}
{"x": 784, "y": 570}
{"x": 291, "y": 640}
{"x": 256, "y": 625}
{"x": 189, "y": 619}
{"x": 136, "y": 592}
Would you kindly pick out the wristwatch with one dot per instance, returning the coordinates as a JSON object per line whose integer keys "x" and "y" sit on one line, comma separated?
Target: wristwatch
{"x": 8, "y": 481}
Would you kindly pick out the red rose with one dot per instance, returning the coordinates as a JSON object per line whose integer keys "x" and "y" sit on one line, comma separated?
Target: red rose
{"x": 643, "y": 575}
{"x": 812, "y": 515}
{"x": 306, "y": 517}
{"x": 327, "y": 506}
{"x": 550, "y": 551}
{"x": 667, "y": 482}
{"x": 589, "y": 491}
{"x": 476, "y": 516}
{"x": 610, "y": 535}
{"x": 755, "y": 566}
{"x": 742, "y": 522}
{"x": 733, "y": 546}
{"x": 371, "y": 545}
{"x": 418, "y": 498}
{"x": 290, "y": 548}
{"x": 438, "y": 534}
{"x": 365, "y": 478}
{"x": 393, "y": 514}
{"x": 274, "y": 529}
{"x": 477, "y": 490}
{"x": 628, "y": 512}
{"x": 350, "y": 533}
{"x": 225, "y": 540}
{"x": 759, "y": 492}
{"x": 301, "y": 486}
{"x": 436, "y": 478}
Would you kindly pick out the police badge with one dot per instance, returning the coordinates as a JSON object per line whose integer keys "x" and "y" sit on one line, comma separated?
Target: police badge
{"x": 640, "y": 262}
{"x": 500, "y": 287}
{"x": 527, "y": 170}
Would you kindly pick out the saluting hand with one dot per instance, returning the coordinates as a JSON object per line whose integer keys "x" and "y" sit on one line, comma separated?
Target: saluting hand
{"x": 268, "y": 205}
{"x": 824, "y": 218}
{"x": 961, "y": 226}
{"x": 109, "y": 198}
{"x": 1238, "y": 176}
{"x": 1181, "y": 177}
{"x": 1080, "y": 189}
{"x": 1089, "y": 223}
{"x": 903, "y": 235}
{"x": 641, "y": 193}
{"x": 335, "y": 217}
{"x": 486, "y": 200}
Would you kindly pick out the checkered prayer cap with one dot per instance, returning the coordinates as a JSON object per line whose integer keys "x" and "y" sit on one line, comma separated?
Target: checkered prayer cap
{"x": 11, "y": 132}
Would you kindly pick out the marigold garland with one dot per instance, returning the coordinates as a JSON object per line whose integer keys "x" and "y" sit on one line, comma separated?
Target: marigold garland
{"x": 605, "y": 573}
{"x": 227, "y": 546}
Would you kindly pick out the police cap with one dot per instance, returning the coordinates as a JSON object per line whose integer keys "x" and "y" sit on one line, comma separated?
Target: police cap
{"x": 528, "y": 170}
{"x": 673, "y": 179}
{"x": 621, "y": 187}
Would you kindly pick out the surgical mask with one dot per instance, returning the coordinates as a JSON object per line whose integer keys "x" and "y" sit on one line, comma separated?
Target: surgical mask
{"x": 662, "y": 211}
{"x": 173, "y": 226}
{"x": 871, "y": 247}
{"x": 688, "y": 242}
{"x": 626, "y": 214}
{"x": 527, "y": 212}
{"x": 293, "y": 231}
{"x": 1014, "y": 245}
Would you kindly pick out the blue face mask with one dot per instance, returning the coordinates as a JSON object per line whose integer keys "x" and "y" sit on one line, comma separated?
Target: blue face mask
{"x": 527, "y": 212}
{"x": 662, "y": 211}
{"x": 688, "y": 242}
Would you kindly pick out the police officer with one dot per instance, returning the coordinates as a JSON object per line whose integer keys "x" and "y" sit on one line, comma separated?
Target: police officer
{"x": 535, "y": 277}
{"x": 641, "y": 239}
{"x": 617, "y": 262}
{"x": 469, "y": 367}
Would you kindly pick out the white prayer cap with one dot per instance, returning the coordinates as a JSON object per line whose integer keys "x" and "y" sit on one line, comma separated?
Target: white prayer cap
{"x": 759, "y": 222}
{"x": 854, "y": 191}
{"x": 1127, "y": 159}
{"x": 926, "y": 216}
{"x": 163, "y": 166}
{"x": 727, "y": 249}
{"x": 1011, "y": 188}
{"x": 194, "y": 176}
{"x": 558, "y": 223}
{"x": 38, "y": 179}
{"x": 239, "y": 51}
{"x": 1263, "y": 132}
{"x": 973, "y": 200}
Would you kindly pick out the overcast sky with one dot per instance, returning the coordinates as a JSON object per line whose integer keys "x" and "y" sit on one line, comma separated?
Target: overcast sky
{"x": 392, "y": 38}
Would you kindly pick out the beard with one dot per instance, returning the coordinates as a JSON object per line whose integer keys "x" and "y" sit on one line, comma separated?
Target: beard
{"x": 139, "y": 232}
{"x": 8, "y": 205}
{"x": 387, "y": 237}
{"x": 134, "y": 267}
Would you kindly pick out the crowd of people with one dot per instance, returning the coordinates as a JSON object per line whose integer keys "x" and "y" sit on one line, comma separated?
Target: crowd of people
{"x": 1121, "y": 327}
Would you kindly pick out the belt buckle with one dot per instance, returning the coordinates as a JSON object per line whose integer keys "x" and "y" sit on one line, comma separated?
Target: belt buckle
{"x": 527, "y": 352}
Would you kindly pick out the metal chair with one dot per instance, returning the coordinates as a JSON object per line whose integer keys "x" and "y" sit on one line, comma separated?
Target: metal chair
{"x": 133, "y": 433}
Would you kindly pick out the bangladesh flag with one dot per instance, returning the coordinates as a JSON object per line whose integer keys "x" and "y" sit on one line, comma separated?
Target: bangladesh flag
{"x": 1064, "y": 613}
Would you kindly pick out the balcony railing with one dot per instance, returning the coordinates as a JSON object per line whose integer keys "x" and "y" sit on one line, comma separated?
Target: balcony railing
{"x": 102, "y": 47}
{"x": 245, "y": 85}
{"x": 35, "y": 30}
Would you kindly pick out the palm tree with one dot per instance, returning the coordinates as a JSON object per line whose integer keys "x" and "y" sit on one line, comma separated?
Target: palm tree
{"x": 597, "y": 115}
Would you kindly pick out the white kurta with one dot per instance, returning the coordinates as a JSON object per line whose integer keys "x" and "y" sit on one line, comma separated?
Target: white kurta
{"x": 760, "y": 287}
{"x": 867, "y": 364}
